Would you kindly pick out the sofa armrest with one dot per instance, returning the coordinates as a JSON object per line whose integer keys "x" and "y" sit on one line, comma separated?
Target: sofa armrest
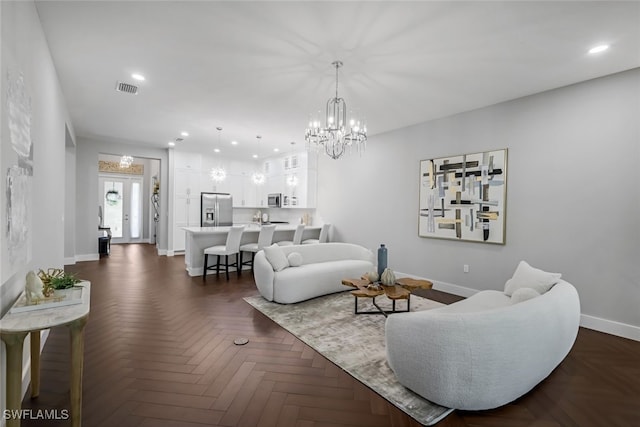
{"x": 263, "y": 275}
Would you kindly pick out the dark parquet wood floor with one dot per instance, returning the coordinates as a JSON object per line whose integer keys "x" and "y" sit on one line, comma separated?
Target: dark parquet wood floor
{"x": 159, "y": 352}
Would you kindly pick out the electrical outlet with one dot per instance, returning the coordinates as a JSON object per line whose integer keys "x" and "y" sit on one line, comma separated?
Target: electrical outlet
{"x": 465, "y": 268}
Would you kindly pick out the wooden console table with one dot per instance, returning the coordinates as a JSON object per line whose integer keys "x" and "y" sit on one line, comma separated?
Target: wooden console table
{"x": 14, "y": 327}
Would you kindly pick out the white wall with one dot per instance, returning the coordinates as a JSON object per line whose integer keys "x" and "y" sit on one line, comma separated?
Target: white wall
{"x": 70, "y": 201}
{"x": 573, "y": 195}
{"x": 23, "y": 49}
{"x": 87, "y": 153}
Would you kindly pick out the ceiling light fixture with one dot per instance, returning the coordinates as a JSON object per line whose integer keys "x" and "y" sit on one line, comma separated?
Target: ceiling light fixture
{"x": 258, "y": 178}
{"x": 171, "y": 144}
{"x": 216, "y": 150}
{"x": 218, "y": 174}
{"x": 599, "y": 48}
{"x": 138, "y": 77}
{"x": 255, "y": 156}
{"x": 184, "y": 133}
{"x": 275, "y": 150}
{"x": 126, "y": 161}
{"x": 337, "y": 134}
{"x": 234, "y": 142}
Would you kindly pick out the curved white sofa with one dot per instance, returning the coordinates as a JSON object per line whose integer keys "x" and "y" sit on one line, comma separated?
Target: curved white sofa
{"x": 484, "y": 351}
{"x": 323, "y": 267}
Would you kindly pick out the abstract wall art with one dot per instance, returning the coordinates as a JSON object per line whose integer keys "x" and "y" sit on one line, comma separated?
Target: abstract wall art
{"x": 464, "y": 197}
{"x": 16, "y": 162}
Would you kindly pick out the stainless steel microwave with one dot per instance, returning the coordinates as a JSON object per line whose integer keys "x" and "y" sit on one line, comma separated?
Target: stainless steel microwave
{"x": 274, "y": 200}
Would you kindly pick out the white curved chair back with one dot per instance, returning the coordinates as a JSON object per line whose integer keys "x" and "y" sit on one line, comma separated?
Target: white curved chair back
{"x": 266, "y": 235}
{"x": 233, "y": 238}
{"x": 324, "y": 233}
{"x": 297, "y": 236}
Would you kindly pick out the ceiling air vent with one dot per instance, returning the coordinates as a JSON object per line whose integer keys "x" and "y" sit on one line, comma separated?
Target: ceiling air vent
{"x": 127, "y": 88}
{"x": 179, "y": 139}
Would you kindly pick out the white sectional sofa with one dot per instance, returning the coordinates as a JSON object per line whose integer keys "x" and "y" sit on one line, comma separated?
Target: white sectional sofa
{"x": 484, "y": 351}
{"x": 322, "y": 267}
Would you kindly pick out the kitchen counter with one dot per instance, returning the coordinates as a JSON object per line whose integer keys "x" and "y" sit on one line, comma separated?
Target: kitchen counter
{"x": 200, "y": 238}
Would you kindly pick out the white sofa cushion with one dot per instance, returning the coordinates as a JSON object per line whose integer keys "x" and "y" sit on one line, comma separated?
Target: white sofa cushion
{"x": 276, "y": 257}
{"x": 524, "y": 294}
{"x": 526, "y": 276}
{"x": 295, "y": 259}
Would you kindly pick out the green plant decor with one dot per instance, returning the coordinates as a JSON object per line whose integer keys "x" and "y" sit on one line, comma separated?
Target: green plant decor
{"x": 56, "y": 278}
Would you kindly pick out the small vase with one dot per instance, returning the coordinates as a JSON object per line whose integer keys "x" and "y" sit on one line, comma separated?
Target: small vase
{"x": 382, "y": 259}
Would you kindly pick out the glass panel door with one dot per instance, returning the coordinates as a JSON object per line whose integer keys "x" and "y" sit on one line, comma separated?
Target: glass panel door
{"x": 121, "y": 201}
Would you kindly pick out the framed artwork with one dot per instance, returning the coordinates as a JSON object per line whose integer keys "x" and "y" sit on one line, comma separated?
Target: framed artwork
{"x": 464, "y": 197}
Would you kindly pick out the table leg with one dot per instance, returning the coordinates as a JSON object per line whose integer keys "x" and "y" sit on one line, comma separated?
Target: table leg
{"x": 76, "y": 329}
{"x": 14, "y": 343}
{"x": 35, "y": 364}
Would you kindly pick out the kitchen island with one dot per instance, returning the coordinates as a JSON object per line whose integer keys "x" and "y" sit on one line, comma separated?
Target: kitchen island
{"x": 200, "y": 238}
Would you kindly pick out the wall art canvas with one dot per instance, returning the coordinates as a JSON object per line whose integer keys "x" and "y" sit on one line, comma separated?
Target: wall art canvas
{"x": 464, "y": 197}
{"x": 17, "y": 171}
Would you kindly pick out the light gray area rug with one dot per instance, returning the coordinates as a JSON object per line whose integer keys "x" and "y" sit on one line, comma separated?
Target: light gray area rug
{"x": 353, "y": 342}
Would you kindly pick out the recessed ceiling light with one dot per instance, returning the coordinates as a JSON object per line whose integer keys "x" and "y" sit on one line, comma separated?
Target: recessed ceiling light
{"x": 599, "y": 48}
{"x": 234, "y": 142}
{"x": 255, "y": 156}
{"x": 137, "y": 76}
{"x": 216, "y": 150}
{"x": 184, "y": 133}
{"x": 171, "y": 144}
{"x": 275, "y": 150}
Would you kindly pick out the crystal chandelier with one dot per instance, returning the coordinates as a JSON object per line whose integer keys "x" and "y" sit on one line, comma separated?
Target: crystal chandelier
{"x": 337, "y": 134}
{"x": 258, "y": 178}
{"x": 126, "y": 161}
{"x": 218, "y": 174}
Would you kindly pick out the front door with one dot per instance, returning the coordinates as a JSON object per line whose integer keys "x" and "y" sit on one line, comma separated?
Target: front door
{"x": 121, "y": 201}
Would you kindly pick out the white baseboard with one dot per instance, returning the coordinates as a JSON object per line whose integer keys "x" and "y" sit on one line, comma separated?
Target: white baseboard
{"x": 87, "y": 257}
{"x": 612, "y": 327}
{"x": 69, "y": 261}
{"x": 162, "y": 252}
{"x": 171, "y": 252}
{"x": 607, "y": 326}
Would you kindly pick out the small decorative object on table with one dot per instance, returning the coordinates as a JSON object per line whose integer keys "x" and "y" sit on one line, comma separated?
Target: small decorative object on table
{"x": 34, "y": 288}
{"x": 56, "y": 278}
{"x": 388, "y": 277}
{"x": 372, "y": 276}
{"x": 382, "y": 259}
{"x": 53, "y": 288}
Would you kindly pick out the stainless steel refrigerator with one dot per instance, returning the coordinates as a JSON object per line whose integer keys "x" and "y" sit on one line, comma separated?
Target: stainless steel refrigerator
{"x": 216, "y": 209}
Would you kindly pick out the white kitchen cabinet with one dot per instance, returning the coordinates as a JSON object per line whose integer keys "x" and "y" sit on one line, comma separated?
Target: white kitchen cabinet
{"x": 186, "y": 198}
{"x": 299, "y": 168}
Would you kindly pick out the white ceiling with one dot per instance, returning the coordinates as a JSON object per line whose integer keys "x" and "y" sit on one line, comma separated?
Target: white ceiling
{"x": 263, "y": 67}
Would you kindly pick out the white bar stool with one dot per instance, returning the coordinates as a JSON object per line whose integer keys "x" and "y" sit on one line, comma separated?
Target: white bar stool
{"x": 231, "y": 247}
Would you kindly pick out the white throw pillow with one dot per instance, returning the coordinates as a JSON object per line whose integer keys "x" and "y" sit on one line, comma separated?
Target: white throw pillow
{"x": 276, "y": 257}
{"x": 526, "y": 276}
{"x": 524, "y": 294}
{"x": 295, "y": 259}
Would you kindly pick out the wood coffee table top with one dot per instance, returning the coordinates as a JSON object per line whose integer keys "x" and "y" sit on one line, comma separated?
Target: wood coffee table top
{"x": 401, "y": 290}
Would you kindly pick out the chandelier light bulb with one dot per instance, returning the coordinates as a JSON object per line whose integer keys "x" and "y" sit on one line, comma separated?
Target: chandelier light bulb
{"x": 126, "y": 161}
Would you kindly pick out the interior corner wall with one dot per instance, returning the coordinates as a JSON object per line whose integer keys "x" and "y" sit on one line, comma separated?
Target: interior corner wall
{"x": 24, "y": 50}
{"x": 573, "y": 193}
{"x": 87, "y": 152}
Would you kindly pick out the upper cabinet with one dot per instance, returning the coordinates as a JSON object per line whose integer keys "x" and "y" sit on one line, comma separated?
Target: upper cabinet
{"x": 297, "y": 181}
{"x": 294, "y": 175}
